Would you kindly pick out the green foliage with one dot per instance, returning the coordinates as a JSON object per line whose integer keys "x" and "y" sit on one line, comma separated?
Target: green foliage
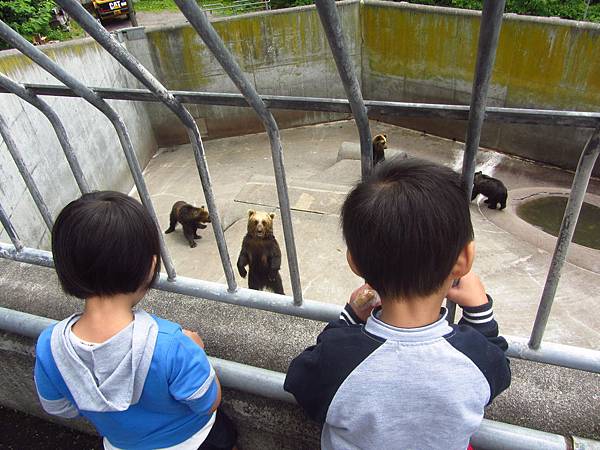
{"x": 567, "y": 9}
{"x": 154, "y": 5}
{"x": 31, "y": 17}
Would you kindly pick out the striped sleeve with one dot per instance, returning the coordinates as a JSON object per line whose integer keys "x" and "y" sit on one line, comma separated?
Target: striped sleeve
{"x": 192, "y": 379}
{"x": 51, "y": 399}
{"x": 481, "y": 318}
{"x": 348, "y": 316}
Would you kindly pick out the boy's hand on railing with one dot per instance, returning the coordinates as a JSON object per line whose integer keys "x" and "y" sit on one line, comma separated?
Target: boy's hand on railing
{"x": 469, "y": 292}
{"x": 363, "y": 300}
{"x": 194, "y": 337}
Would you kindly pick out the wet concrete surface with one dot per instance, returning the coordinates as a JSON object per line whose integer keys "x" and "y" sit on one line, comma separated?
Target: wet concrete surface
{"x": 513, "y": 269}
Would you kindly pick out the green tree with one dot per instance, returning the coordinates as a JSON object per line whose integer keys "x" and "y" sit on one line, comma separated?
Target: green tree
{"x": 28, "y": 18}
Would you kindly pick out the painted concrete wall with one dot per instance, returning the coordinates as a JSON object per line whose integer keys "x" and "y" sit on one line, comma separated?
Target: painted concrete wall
{"x": 283, "y": 52}
{"x": 92, "y": 136}
{"x": 427, "y": 54}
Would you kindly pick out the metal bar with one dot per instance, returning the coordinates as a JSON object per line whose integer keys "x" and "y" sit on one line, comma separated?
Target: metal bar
{"x": 27, "y": 178}
{"x": 556, "y": 354}
{"x": 10, "y": 230}
{"x": 565, "y": 235}
{"x": 104, "y": 38}
{"x": 332, "y": 25}
{"x": 59, "y": 129}
{"x": 489, "y": 31}
{"x": 206, "y": 31}
{"x": 269, "y": 384}
{"x": 36, "y": 55}
{"x": 339, "y": 105}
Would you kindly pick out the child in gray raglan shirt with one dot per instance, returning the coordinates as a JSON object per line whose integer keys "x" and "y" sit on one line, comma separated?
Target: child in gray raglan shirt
{"x": 398, "y": 375}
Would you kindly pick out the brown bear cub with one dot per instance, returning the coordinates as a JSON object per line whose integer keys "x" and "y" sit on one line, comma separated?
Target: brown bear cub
{"x": 190, "y": 218}
{"x": 260, "y": 251}
{"x": 492, "y": 188}
{"x": 379, "y": 146}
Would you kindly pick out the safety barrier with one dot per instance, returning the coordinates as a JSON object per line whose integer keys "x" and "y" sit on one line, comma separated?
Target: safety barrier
{"x": 476, "y": 113}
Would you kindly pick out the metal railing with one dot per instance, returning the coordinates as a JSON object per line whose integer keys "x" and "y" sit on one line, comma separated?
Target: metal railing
{"x": 534, "y": 350}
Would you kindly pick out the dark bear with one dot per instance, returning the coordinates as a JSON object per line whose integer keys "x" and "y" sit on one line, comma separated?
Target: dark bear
{"x": 260, "y": 251}
{"x": 492, "y": 188}
{"x": 190, "y": 218}
{"x": 379, "y": 146}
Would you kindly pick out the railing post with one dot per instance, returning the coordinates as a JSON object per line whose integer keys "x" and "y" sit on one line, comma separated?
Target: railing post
{"x": 208, "y": 34}
{"x": 332, "y": 25}
{"x": 54, "y": 120}
{"x": 27, "y": 178}
{"x": 10, "y": 230}
{"x": 567, "y": 229}
{"x": 489, "y": 31}
{"x": 36, "y": 55}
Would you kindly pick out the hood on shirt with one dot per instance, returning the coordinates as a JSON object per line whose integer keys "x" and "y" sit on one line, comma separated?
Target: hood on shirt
{"x": 109, "y": 376}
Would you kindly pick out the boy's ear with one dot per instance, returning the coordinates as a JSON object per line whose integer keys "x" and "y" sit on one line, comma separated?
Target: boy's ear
{"x": 353, "y": 267}
{"x": 464, "y": 262}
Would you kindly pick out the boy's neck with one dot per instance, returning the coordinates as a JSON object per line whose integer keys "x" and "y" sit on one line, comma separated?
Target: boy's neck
{"x": 103, "y": 317}
{"x": 411, "y": 313}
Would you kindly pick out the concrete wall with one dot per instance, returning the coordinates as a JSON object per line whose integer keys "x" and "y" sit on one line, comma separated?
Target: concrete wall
{"x": 92, "y": 136}
{"x": 283, "y": 52}
{"x": 427, "y": 54}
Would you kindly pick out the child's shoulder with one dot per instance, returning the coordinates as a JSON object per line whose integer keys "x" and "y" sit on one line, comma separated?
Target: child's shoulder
{"x": 166, "y": 327}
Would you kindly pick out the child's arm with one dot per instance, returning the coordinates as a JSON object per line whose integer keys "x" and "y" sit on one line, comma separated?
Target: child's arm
{"x": 52, "y": 400}
{"x": 478, "y": 314}
{"x": 192, "y": 379}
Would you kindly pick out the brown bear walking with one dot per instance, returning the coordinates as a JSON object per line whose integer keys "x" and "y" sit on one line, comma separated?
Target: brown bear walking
{"x": 190, "y": 218}
{"x": 379, "y": 146}
{"x": 260, "y": 251}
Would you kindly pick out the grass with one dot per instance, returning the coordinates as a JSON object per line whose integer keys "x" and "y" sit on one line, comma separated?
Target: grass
{"x": 154, "y": 5}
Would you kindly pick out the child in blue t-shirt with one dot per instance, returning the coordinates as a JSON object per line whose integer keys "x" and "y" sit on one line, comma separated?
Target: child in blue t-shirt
{"x": 142, "y": 381}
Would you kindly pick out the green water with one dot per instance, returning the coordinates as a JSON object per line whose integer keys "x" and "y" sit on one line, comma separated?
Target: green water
{"x": 546, "y": 213}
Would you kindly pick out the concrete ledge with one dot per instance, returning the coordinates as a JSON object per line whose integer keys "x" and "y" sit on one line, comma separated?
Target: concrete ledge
{"x": 556, "y": 400}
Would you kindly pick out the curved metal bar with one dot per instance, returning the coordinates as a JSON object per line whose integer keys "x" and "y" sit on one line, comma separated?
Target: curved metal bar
{"x": 200, "y": 22}
{"x": 27, "y": 178}
{"x": 330, "y": 19}
{"x": 565, "y": 235}
{"x": 105, "y": 39}
{"x": 10, "y": 230}
{"x": 36, "y": 55}
{"x": 54, "y": 120}
{"x": 489, "y": 31}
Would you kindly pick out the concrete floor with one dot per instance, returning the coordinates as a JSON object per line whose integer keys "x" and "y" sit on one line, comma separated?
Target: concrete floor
{"x": 513, "y": 268}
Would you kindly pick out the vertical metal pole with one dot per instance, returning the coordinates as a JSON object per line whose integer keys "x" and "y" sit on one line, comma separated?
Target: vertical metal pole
{"x": 200, "y": 22}
{"x": 489, "y": 31}
{"x": 330, "y": 19}
{"x": 36, "y": 55}
{"x": 59, "y": 129}
{"x": 27, "y": 178}
{"x": 105, "y": 39}
{"x": 567, "y": 229}
{"x": 10, "y": 230}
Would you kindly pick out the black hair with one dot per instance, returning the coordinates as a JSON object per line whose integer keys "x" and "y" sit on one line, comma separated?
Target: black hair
{"x": 406, "y": 225}
{"x": 103, "y": 244}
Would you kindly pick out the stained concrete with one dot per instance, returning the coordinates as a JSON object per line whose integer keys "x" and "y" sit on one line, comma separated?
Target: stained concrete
{"x": 512, "y": 268}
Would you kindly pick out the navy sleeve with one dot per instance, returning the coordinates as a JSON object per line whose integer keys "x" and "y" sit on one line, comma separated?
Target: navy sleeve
{"x": 315, "y": 375}
{"x": 487, "y": 353}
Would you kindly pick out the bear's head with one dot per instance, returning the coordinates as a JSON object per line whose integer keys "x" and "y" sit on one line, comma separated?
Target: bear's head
{"x": 260, "y": 223}
{"x": 380, "y": 142}
{"x": 477, "y": 177}
{"x": 201, "y": 215}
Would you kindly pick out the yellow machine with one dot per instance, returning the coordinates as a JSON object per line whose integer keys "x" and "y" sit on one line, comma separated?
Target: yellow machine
{"x": 106, "y": 9}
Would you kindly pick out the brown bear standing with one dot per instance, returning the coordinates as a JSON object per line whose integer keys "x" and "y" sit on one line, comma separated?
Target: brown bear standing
{"x": 379, "y": 146}
{"x": 190, "y": 218}
{"x": 261, "y": 252}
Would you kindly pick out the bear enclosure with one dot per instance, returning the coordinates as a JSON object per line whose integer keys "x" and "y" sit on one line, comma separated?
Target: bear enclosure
{"x": 173, "y": 85}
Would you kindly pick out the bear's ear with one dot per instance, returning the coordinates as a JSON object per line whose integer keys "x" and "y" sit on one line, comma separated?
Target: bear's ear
{"x": 385, "y": 136}
{"x": 272, "y": 216}
{"x": 251, "y": 212}
{"x": 202, "y": 208}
